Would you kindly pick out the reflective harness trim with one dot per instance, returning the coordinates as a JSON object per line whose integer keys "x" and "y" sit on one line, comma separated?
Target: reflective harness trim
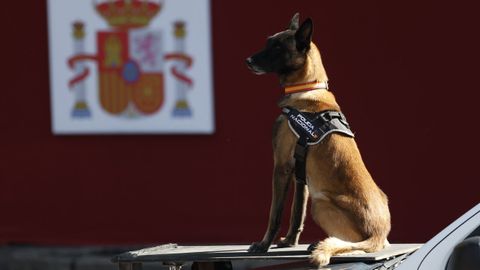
{"x": 311, "y": 129}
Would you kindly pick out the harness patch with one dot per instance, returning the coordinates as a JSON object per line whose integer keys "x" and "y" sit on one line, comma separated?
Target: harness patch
{"x": 316, "y": 126}
{"x": 312, "y": 128}
{"x": 302, "y": 122}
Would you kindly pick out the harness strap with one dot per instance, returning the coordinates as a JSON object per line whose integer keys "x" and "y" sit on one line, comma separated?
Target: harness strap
{"x": 300, "y": 155}
{"x": 312, "y": 128}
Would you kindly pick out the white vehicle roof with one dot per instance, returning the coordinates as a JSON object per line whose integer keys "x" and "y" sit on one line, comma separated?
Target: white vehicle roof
{"x": 436, "y": 252}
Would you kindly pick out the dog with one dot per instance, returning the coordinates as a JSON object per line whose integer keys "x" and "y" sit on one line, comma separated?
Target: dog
{"x": 345, "y": 201}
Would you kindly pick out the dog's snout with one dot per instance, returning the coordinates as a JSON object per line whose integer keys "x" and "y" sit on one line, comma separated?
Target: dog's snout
{"x": 253, "y": 65}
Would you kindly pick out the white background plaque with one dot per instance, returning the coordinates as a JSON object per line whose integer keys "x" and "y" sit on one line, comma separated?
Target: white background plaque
{"x": 130, "y": 66}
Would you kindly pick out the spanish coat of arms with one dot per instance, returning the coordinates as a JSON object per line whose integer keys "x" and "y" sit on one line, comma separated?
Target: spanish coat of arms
{"x": 142, "y": 74}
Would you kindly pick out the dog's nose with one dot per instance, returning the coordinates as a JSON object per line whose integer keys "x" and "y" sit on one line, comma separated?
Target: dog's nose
{"x": 249, "y": 61}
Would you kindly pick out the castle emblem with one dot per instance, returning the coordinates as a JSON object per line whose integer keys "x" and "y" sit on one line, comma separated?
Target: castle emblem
{"x": 131, "y": 62}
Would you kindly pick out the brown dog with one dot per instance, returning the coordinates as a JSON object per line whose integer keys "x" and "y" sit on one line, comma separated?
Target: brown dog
{"x": 346, "y": 202}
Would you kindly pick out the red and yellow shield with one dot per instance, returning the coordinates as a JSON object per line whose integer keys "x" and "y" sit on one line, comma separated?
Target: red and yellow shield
{"x": 130, "y": 68}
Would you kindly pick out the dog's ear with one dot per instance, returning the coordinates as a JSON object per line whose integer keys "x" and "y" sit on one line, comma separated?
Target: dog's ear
{"x": 303, "y": 36}
{"x": 294, "y": 22}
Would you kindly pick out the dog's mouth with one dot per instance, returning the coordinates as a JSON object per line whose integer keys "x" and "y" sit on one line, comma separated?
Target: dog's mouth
{"x": 256, "y": 70}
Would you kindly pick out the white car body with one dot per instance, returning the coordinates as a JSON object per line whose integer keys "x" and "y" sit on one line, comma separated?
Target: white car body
{"x": 435, "y": 253}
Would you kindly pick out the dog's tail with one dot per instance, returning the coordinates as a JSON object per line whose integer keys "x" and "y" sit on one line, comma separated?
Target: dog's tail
{"x": 334, "y": 246}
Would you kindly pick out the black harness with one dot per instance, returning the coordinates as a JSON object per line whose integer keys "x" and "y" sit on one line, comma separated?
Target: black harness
{"x": 311, "y": 129}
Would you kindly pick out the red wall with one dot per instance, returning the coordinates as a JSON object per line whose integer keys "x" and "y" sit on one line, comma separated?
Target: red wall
{"x": 404, "y": 72}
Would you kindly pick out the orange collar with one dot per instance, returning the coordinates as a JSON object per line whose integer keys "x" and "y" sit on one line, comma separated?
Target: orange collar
{"x": 303, "y": 87}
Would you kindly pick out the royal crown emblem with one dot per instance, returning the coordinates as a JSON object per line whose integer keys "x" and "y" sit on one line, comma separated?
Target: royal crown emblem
{"x": 131, "y": 62}
{"x": 128, "y": 14}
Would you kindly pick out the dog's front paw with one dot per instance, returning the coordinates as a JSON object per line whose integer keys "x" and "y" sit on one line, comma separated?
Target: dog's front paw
{"x": 258, "y": 247}
{"x": 286, "y": 242}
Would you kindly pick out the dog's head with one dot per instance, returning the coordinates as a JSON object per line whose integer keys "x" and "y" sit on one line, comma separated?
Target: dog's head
{"x": 285, "y": 51}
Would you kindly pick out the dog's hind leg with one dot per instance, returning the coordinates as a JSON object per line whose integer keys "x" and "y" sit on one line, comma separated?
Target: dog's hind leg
{"x": 297, "y": 217}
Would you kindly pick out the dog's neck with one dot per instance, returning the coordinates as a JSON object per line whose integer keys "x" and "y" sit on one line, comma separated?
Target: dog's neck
{"x": 313, "y": 100}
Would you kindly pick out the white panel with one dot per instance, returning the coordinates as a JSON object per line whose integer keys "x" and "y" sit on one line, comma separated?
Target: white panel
{"x": 131, "y": 102}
